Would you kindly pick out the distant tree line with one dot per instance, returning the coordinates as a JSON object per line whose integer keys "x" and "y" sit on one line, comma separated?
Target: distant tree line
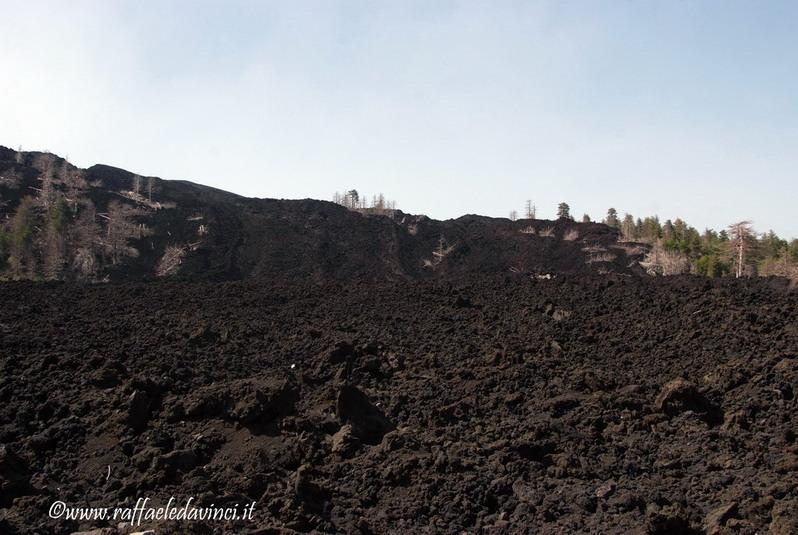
{"x": 355, "y": 201}
{"x": 677, "y": 247}
{"x": 737, "y": 250}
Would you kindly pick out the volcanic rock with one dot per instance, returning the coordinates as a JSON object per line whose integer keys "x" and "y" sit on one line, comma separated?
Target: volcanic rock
{"x": 680, "y": 395}
{"x": 717, "y": 518}
{"x": 138, "y": 410}
{"x": 368, "y": 422}
{"x": 784, "y": 518}
{"x": 670, "y": 520}
{"x": 344, "y": 442}
{"x": 307, "y": 490}
{"x": 14, "y": 475}
{"x": 247, "y": 401}
{"x": 340, "y": 352}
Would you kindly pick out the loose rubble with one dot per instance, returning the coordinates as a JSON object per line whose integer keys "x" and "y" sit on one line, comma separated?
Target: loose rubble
{"x": 507, "y": 404}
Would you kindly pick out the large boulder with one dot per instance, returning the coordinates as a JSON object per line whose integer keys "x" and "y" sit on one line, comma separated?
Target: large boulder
{"x": 138, "y": 410}
{"x": 717, "y": 518}
{"x": 247, "y": 401}
{"x": 344, "y": 442}
{"x": 669, "y": 520}
{"x": 14, "y": 476}
{"x": 368, "y": 422}
{"x": 679, "y": 396}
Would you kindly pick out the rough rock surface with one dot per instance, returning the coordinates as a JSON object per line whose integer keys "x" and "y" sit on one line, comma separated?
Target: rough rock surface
{"x": 471, "y": 418}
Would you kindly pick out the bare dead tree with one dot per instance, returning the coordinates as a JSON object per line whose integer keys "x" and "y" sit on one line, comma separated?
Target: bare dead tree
{"x": 137, "y": 185}
{"x": 781, "y": 266}
{"x": 47, "y": 193}
{"x": 741, "y": 241}
{"x": 530, "y": 211}
{"x": 170, "y": 261}
{"x": 120, "y": 229}
{"x": 54, "y": 250}
{"x": 86, "y": 231}
{"x": 75, "y": 186}
{"x": 54, "y": 255}
{"x": 660, "y": 261}
{"x": 84, "y": 239}
{"x": 442, "y": 250}
{"x": 353, "y": 200}
{"x": 513, "y": 215}
{"x": 150, "y": 186}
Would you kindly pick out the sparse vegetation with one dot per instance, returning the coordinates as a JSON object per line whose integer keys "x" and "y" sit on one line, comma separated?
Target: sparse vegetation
{"x": 546, "y": 232}
{"x": 600, "y": 257}
{"x": 51, "y": 229}
{"x": 440, "y": 253}
{"x": 170, "y": 261}
{"x": 57, "y": 233}
{"x": 711, "y": 253}
{"x": 352, "y": 200}
{"x": 660, "y": 261}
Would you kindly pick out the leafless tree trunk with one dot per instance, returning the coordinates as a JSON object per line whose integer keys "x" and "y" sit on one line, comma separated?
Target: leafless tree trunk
{"x": 170, "y": 261}
{"x": 75, "y": 185}
{"x": 54, "y": 255}
{"x": 47, "y": 193}
{"x": 513, "y": 215}
{"x": 121, "y": 228}
{"x": 741, "y": 236}
{"x": 530, "y": 211}
{"x": 85, "y": 237}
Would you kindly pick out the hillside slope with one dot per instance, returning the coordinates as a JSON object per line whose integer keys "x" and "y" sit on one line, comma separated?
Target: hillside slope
{"x": 107, "y": 223}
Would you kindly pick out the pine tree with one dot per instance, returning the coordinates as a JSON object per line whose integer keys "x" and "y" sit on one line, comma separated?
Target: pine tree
{"x": 563, "y": 211}
{"x": 21, "y": 238}
{"x": 667, "y": 230}
{"x": 612, "y": 218}
{"x": 55, "y": 241}
{"x": 651, "y": 229}
{"x": 793, "y": 249}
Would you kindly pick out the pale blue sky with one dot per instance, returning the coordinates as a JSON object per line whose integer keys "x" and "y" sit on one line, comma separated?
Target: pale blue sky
{"x": 672, "y": 108}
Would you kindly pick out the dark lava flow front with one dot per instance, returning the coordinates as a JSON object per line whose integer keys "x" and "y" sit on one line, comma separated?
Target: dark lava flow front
{"x": 498, "y": 405}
